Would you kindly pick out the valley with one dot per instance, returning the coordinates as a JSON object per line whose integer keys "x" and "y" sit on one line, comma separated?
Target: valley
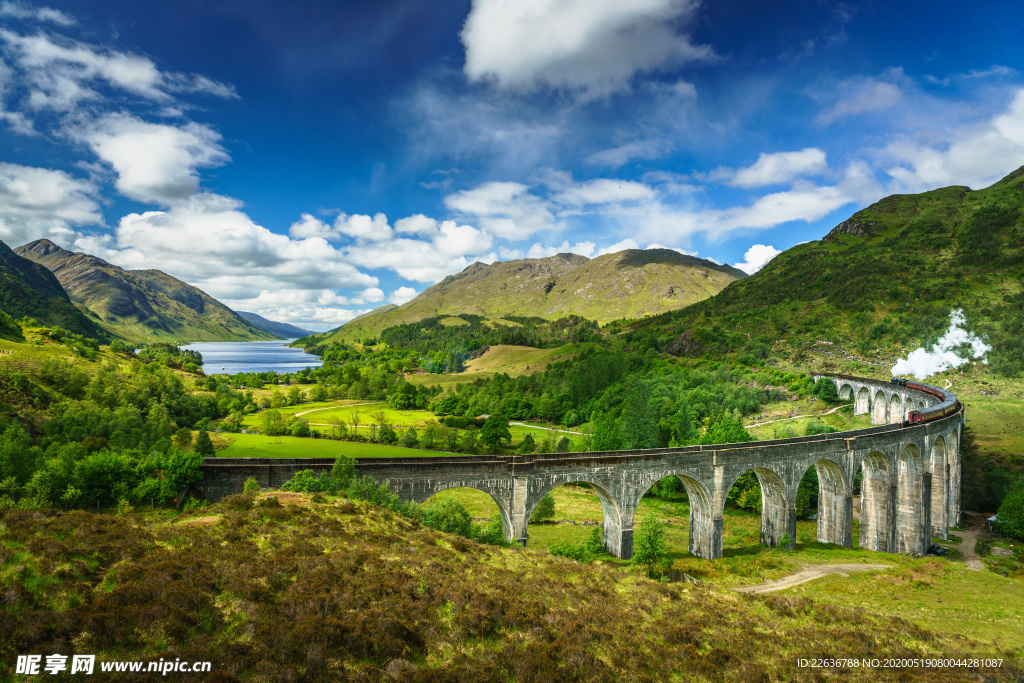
{"x": 103, "y": 431}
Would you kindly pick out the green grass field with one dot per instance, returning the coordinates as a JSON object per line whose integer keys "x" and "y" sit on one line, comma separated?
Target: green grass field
{"x": 260, "y": 446}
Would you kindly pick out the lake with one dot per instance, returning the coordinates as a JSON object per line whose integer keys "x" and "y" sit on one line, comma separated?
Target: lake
{"x": 259, "y": 356}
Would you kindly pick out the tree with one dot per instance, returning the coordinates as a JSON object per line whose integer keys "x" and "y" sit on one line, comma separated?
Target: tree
{"x": 204, "y": 446}
{"x": 294, "y": 396}
{"x": 563, "y": 445}
{"x": 343, "y": 471}
{"x": 495, "y": 431}
{"x": 277, "y": 399}
{"x": 353, "y": 419}
{"x": 183, "y": 438}
{"x": 825, "y": 389}
{"x": 527, "y": 445}
{"x": 649, "y": 543}
{"x": 545, "y": 508}
{"x": 410, "y": 439}
{"x": 1010, "y": 517}
{"x": 251, "y": 486}
{"x": 272, "y": 423}
{"x": 469, "y": 440}
{"x": 638, "y": 427}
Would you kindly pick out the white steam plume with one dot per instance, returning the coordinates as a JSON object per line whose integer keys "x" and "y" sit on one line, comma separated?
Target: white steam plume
{"x": 922, "y": 363}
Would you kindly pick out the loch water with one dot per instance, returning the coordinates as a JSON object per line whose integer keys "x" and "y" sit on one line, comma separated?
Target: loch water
{"x": 259, "y": 356}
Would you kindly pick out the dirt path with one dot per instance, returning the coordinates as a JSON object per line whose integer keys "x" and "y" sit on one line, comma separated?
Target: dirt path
{"x": 546, "y": 429}
{"x": 809, "y": 574}
{"x": 968, "y": 539}
{"x": 351, "y": 405}
{"x": 797, "y": 417}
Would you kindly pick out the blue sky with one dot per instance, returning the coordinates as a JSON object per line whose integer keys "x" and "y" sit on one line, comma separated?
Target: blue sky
{"x": 310, "y": 161}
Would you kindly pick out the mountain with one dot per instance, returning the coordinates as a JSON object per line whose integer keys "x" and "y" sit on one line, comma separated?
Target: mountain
{"x": 628, "y": 284}
{"x": 886, "y": 278}
{"x": 140, "y": 305}
{"x": 282, "y": 330}
{"x": 28, "y": 289}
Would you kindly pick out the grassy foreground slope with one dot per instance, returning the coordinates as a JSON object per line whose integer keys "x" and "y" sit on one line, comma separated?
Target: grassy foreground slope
{"x": 347, "y": 591}
{"x": 628, "y": 284}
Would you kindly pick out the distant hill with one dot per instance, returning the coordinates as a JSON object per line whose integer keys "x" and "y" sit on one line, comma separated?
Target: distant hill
{"x": 886, "y": 278}
{"x": 282, "y": 330}
{"x": 28, "y": 289}
{"x": 628, "y": 284}
{"x": 140, "y": 305}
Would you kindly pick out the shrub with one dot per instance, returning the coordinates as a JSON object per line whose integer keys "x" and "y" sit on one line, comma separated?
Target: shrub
{"x": 448, "y": 515}
{"x": 545, "y": 508}
{"x": 251, "y": 486}
{"x": 1011, "y": 514}
{"x": 307, "y": 481}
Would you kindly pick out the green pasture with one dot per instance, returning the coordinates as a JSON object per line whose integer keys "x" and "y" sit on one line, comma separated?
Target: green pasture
{"x": 260, "y": 446}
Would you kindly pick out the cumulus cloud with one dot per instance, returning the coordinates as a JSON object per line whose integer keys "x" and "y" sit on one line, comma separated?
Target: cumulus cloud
{"x": 756, "y": 257}
{"x": 592, "y": 46}
{"x": 505, "y": 209}
{"x": 402, "y": 295}
{"x": 37, "y": 202}
{"x": 154, "y": 162}
{"x": 974, "y": 154}
{"x": 945, "y": 353}
{"x": 780, "y": 167}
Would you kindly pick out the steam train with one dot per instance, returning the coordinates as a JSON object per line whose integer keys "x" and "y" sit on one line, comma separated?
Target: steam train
{"x": 947, "y": 404}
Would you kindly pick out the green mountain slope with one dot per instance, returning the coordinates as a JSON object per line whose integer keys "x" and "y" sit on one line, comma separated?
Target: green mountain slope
{"x": 282, "y": 330}
{"x": 28, "y": 289}
{"x": 628, "y": 284}
{"x": 140, "y": 305}
{"x": 885, "y": 280}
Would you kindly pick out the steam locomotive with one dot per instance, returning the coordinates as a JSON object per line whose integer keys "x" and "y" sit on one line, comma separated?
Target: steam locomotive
{"x": 947, "y": 403}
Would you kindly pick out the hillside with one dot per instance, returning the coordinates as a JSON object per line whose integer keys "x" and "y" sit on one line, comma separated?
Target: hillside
{"x": 282, "y": 330}
{"x": 882, "y": 282}
{"x": 140, "y": 305}
{"x": 28, "y": 289}
{"x": 629, "y": 284}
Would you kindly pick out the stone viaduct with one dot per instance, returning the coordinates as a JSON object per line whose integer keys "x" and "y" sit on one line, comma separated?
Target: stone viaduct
{"x": 910, "y": 478}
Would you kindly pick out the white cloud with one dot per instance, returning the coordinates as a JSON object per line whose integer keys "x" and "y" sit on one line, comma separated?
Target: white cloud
{"x": 417, "y": 224}
{"x": 38, "y": 202}
{"x": 402, "y": 295}
{"x": 20, "y": 10}
{"x": 61, "y": 72}
{"x": 590, "y": 46}
{"x": 756, "y": 257}
{"x": 362, "y": 227}
{"x": 507, "y": 210}
{"x": 863, "y": 94}
{"x": 208, "y": 241}
{"x": 154, "y": 162}
{"x": 780, "y": 167}
{"x": 603, "y": 191}
{"x": 628, "y": 243}
{"x": 538, "y": 250}
{"x": 974, "y": 154}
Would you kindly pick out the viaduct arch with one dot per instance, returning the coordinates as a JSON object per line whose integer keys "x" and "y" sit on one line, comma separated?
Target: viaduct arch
{"x": 910, "y": 486}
